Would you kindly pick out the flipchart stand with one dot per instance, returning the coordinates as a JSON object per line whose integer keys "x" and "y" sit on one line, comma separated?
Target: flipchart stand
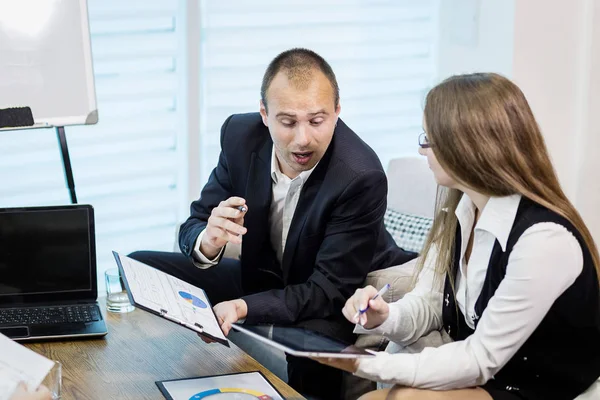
{"x": 40, "y": 58}
{"x": 64, "y": 152}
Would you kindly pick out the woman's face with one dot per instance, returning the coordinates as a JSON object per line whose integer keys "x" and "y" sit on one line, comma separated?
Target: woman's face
{"x": 440, "y": 175}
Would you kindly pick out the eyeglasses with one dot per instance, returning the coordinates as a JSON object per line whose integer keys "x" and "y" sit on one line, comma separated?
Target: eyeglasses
{"x": 423, "y": 142}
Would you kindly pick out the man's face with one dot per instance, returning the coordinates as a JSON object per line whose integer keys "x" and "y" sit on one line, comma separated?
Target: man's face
{"x": 301, "y": 120}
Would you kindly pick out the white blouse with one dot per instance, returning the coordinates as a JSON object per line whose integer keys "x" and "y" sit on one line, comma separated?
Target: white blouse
{"x": 544, "y": 262}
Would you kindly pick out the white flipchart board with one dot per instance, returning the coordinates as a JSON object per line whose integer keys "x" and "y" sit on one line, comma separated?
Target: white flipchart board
{"x": 46, "y": 61}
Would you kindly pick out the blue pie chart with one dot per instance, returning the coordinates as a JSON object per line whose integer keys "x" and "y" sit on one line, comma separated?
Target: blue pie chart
{"x": 193, "y": 300}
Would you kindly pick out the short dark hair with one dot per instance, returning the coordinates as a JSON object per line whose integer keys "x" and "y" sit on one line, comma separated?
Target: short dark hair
{"x": 298, "y": 63}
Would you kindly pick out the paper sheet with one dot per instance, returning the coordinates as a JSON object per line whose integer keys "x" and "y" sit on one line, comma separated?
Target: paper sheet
{"x": 248, "y": 385}
{"x": 19, "y": 364}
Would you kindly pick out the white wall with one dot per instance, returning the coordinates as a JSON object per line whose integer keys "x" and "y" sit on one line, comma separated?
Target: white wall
{"x": 587, "y": 193}
{"x": 475, "y": 36}
{"x": 551, "y": 49}
{"x": 556, "y": 62}
{"x": 547, "y": 57}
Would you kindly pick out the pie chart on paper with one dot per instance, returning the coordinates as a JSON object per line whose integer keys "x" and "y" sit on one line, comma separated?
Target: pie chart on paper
{"x": 231, "y": 393}
{"x": 193, "y": 300}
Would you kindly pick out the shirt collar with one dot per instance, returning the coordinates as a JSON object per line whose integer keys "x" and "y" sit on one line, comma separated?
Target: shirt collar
{"x": 497, "y": 218}
{"x": 276, "y": 173}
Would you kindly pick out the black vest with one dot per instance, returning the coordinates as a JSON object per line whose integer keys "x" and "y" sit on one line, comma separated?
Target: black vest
{"x": 561, "y": 359}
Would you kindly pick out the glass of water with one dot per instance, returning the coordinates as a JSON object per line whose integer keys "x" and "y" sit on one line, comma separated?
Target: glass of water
{"x": 53, "y": 381}
{"x": 116, "y": 294}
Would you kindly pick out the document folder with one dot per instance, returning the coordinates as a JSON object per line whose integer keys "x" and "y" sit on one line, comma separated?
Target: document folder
{"x": 170, "y": 298}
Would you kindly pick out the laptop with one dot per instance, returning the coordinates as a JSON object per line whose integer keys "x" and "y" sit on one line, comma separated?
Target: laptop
{"x": 48, "y": 281}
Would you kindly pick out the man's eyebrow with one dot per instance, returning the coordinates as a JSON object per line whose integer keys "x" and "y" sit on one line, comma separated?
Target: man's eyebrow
{"x": 286, "y": 114}
{"x": 293, "y": 115}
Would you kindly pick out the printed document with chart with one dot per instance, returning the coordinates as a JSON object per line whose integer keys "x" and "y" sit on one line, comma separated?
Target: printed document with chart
{"x": 169, "y": 297}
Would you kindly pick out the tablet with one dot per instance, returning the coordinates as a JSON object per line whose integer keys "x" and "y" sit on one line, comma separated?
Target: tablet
{"x": 302, "y": 342}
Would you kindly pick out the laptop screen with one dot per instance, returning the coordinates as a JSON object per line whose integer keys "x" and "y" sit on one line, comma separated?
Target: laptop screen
{"x": 46, "y": 254}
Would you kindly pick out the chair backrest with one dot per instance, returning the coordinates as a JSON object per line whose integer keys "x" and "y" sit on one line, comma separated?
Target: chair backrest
{"x": 411, "y": 186}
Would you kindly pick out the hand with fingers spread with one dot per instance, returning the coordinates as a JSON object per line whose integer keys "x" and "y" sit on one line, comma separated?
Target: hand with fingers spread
{"x": 225, "y": 224}
{"x": 376, "y": 314}
{"x": 21, "y": 393}
{"x": 229, "y": 312}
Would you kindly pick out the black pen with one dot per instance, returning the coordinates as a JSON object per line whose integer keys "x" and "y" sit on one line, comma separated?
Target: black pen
{"x": 242, "y": 208}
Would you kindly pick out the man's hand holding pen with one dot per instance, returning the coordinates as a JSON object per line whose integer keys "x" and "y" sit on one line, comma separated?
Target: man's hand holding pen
{"x": 225, "y": 224}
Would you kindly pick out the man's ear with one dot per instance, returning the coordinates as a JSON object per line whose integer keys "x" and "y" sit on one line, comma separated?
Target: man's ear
{"x": 338, "y": 109}
{"x": 263, "y": 113}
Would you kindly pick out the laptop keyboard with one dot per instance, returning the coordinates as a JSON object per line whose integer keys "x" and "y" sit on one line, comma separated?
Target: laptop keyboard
{"x": 49, "y": 315}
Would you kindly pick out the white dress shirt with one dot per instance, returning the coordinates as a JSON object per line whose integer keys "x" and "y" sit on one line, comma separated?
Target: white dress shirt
{"x": 286, "y": 193}
{"x": 544, "y": 262}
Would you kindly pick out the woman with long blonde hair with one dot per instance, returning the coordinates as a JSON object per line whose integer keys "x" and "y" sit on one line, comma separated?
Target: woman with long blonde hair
{"x": 509, "y": 270}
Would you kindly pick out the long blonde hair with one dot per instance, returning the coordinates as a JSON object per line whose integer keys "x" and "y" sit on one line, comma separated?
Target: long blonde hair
{"x": 484, "y": 135}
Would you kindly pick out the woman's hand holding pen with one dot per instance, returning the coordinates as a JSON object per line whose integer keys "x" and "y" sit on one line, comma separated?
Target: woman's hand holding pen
{"x": 225, "y": 224}
{"x": 367, "y": 308}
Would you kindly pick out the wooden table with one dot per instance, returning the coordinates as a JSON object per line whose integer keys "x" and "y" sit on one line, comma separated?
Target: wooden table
{"x": 141, "y": 348}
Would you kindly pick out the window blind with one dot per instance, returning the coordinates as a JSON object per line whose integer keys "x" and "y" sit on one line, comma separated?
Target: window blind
{"x": 382, "y": 51}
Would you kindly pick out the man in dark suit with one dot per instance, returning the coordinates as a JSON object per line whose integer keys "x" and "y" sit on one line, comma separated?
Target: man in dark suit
{"x": 307, "y": 196}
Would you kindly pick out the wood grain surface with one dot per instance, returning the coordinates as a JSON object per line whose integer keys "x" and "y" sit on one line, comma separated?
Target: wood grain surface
{"x": 141, "y": 348}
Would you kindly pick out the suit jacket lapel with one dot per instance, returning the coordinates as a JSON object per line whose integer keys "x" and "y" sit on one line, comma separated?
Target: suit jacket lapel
{"x": 258, "y": 197}
{"x": 309, "y": 192}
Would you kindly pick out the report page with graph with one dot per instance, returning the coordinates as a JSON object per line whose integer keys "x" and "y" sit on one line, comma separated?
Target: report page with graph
{"x": 169, "y": 297}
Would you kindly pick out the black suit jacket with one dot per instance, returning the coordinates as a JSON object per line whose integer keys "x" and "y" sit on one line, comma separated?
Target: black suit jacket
{"x": 336, "y": 235}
